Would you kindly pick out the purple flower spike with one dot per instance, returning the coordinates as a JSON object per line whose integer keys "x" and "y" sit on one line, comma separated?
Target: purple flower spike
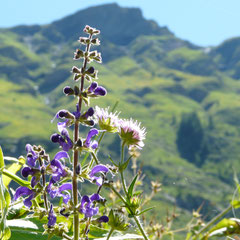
{"x": 100, "y": 91}
{"x": 51, "y": 217}
{"x": 24, "y": 191}
{"x": 92, "y": 87}
{"x": 31, "y": 155}
{"x": 91, "y": 134}
{"x": 103, "y": 219}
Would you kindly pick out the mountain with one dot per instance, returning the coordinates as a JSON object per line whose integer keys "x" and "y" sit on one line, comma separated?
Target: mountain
{"x": 185, "y": 95}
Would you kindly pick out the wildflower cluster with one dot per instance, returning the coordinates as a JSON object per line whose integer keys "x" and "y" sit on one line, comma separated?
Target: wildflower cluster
{"x": 59, "y": 177}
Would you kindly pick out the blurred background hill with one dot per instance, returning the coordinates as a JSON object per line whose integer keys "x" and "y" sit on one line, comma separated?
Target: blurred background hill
{"x": 187, "y": 96}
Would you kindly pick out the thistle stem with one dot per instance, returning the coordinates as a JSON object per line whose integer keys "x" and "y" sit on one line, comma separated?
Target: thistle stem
{"x": 121, "y": 172}
{"x": 75, "y": 154}
{"x": 110, "y": 233}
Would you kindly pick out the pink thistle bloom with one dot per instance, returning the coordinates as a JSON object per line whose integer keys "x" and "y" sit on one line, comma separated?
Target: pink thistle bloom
{"x": 107, "y": 121}
{"x": 132, "y": 133}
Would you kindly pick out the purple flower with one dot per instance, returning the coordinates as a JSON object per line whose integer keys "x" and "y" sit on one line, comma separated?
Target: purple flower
{"x": 32, "y": 156}
{"x": 97, "y": 169}
{"x": 24, "y": 191}
{"x": 26, "y": 171}
{"x": 100, "y": 91}
{"x": 87, "y": 206}
{"x": 64, "y": 139}
{"x": 57, "y": 167}
{"x": 92, "y": 87}
{"x": 55, "y": 191}
{"x": 97, "y": 90}
{"x": 51, "y": 217}
{"x": 91, "y": 144}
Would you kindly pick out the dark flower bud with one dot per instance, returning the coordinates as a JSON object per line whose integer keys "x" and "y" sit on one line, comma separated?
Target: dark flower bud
{"x": 78, "y": 54}
{"x": 90, "y": 30}
{"x": 91, "y": 70}
{"x": 64, "y": 214}
{"x": 26, "y": 171}
{"x": 76, "y": 70}
{"x": 90, "y": 123}
{"x": 78, "y": 169}
{"x": 62, "y": 114}
{"x": 90, "y": 112}
{"x": 76, "y": 91}
{"x": 79, "y": 143}
{"x": 103, "y": 219}
{"x": 100, "y": 91}
{"x": 68, "y": 90}
{"x": 95, "y": 41}
{"x": 55, "y": 137}
{"x": 84, "y": 40}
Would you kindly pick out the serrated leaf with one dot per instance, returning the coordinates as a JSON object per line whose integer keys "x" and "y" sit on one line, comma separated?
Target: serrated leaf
{"x": 131, "y": 187}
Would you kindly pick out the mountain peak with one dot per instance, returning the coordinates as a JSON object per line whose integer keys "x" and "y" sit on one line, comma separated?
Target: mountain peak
{"x": 117, "y": 24}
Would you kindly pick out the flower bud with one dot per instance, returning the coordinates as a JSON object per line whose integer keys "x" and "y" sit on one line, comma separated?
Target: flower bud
{"x": 76, "y": 70}
{"x": 55, "y": 137}
{"x": 79, "y": 143}
{"x": 91, "y": 70}
{"x": 78, "y": 54}
{"x": 68, "y": 90}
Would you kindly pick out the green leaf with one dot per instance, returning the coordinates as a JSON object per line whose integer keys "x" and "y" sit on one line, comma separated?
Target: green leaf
{"x": 14, "y": 168}
{"x": 225, "y": 227}
{"x": 1, "y": 159}
{"x": 119, "y": 236}
{"x": 112, "y": 161}
{"x": 96, "y": 232}
{"x": 124, "y": 165}
{"x": 145, "y": 210}
{"x": 131, "y": 187}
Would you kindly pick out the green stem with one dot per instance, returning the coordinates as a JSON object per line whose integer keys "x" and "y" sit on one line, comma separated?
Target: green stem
{"x": 121, "y": 172}
{"x": 215, "y": 219}
{"x": 95, "y": 158}
{"x": 15, "y": 178}
{"x": 110, "y": 233}
{"x": 136, "y": 218}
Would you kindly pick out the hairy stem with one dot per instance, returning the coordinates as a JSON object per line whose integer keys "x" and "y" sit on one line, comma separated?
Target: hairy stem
{"x": 75, "y": 154}
{"x": 121, "y": 172}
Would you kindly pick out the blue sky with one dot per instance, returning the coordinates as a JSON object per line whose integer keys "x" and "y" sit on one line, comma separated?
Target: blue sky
{"x": 203, "y": 22}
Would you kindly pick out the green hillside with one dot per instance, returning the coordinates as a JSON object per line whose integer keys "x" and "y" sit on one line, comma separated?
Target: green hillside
{"x": 186, "y": 96}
